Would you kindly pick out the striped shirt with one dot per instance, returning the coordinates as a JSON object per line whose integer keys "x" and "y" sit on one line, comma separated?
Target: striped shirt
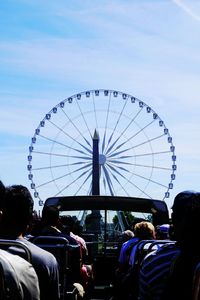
{"x": 126, "y": 250}
{"x": 154, "y": 271}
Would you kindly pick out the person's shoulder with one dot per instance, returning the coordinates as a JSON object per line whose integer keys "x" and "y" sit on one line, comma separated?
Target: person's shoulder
{"x": 15, "y": 260}
{"x": 132, "y": 241}
{"x": 19, "y": 275}
{"x": 71, "y": 240}
{"x": 40, "y": 255}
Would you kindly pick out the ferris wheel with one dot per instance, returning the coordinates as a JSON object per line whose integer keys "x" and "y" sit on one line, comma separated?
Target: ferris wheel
{"x": 136, "y": 155}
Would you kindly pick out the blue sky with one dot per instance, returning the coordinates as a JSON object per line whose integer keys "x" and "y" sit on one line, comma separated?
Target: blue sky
{"x": 50, "y": 50}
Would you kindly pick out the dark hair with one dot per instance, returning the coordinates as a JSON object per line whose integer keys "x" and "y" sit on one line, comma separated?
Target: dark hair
{"x": 185, "y": 202}
{"x": 50, "y": 215}
{"x": 186, "y": 214}
{"x": 17, "y": 206}
{"x": 186, "y": 210}
{"x": 68, "y": 220}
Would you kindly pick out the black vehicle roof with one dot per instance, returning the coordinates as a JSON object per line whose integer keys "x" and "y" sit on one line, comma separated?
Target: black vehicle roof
{"x": 157, "y": 208}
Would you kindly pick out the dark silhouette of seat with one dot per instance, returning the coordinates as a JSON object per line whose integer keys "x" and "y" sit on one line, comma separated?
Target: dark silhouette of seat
{"x": 68, "y": 257}
{"x": 196, "y": 283}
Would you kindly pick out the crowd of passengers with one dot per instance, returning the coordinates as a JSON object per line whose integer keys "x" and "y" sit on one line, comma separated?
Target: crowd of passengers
{"x": 166, "y": 273}
{"x": 16, "y": 212}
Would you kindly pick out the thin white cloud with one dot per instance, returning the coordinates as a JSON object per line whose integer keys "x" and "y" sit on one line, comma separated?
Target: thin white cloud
{"x": 109, "y": 46}
{"x": 187, "y": 9}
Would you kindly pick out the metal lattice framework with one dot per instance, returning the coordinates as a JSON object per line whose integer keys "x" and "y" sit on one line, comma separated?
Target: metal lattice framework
{"x": 136, "y": 153}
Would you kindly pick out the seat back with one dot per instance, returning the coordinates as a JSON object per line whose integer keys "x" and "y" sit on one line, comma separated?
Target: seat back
{"x": 67, "y": 256}
{"x": 156, "y": 244}
{"x": 196, "y": 283}
{"x": 146, "y": 246}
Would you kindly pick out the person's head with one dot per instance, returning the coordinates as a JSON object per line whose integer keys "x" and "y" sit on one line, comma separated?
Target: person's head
{"x": 185, "y": 213}
{"x": 50, "y": 215}
{"x": 162, "y": 231}
{"x": 144, "y": 230}
{"x": 136, "y": 220}
{"x": 127, "y": 235}
{"x": 68, "y": 223}
{"x": 17, "y": 208}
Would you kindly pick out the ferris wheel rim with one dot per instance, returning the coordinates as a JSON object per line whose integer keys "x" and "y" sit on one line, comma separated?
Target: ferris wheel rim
{"x": 95, "y": 92}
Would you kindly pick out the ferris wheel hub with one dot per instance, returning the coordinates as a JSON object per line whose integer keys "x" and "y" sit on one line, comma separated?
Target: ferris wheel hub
{"x": 108, "y": 135}
{"x": 102, "y": 159}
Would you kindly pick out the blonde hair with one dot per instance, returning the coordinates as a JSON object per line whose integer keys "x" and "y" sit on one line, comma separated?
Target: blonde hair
{"x": 144, "y": 230}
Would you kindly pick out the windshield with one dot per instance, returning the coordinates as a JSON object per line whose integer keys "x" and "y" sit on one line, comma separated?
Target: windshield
{"x": 106, "y": 225}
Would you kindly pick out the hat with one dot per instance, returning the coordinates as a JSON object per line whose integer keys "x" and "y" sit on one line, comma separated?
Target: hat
{"x": 164, "y": 228}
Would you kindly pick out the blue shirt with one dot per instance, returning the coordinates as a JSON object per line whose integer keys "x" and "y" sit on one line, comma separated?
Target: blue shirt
{"x": 124, "y": 252}
{"x": 154, "y": 271}
{"x": 46, "y": 267}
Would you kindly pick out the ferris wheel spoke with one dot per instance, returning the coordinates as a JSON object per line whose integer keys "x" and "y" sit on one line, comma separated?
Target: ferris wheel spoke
{"x": 82, "y": 168}
{"x": 106, "y": 123}
{"x": 62, "y": 155}
{"x": 108, "y": 181}
{"x": 95, "y": 112}
{"x": 116, "y": 124}
{"x": 140, "y": 165}
{"x": 74, "y": 125}
{"x": 81, "y": 157}
{"x": 112, "y": 157}
{"x": 138, "y": 188}
{"x": 119, "y": 168}
{"x": 137, "y": 175}
{"x": 104, "y": 141}
{"x": 113, "y": 160}
{"x": 136, "y": 153}
{"x": 64, "y": 145}
{"x": 90, "y": 189}
{"x": 150, "y": 180}
{"x": 115, "y": 169}
{"x": 118, "y": 162}
{"x": 84, "y": 182}
{"x": 72, "y": 182}
{"x": 149, "y": 140}
{"x": 84, "y": 120}
{"x": 133, "y": 136}
{"x": 69, "y": 136}
{"x": 128, "y": 181}
{"x": 65, "y": 175}
{"x": 114, "y": 143}
{"x": 117, "y": 180}
{"x": 104, "y": 184}
{"x": 53, "y": 180}
{"x": 120, "y": 152}
{"x": 152, "y": 167}
{"x": 152, "y": 153}
{"x": 50, "y": 154}
{"x": 58, "y": 166}
{"x": 136, "y": 146}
